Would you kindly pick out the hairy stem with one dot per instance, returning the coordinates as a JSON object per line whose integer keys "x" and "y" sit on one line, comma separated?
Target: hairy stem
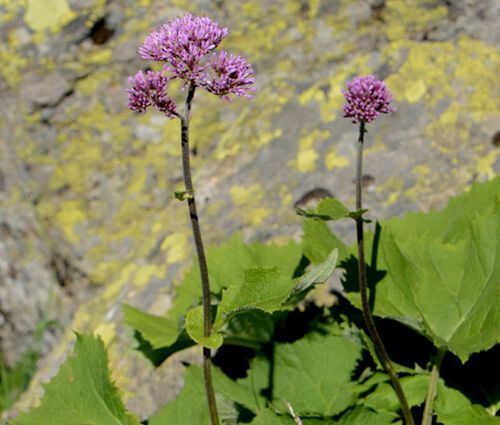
{"x": 431, "y": 393}
{"x": 363, "y": 289}
{"x": 202, "y": 261}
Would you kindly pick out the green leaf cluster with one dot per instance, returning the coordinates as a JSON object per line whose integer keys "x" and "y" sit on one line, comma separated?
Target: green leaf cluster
{"x": 434, "y": 276}
{"x": 82, "y": 392}
{"x": 437, "y": 272}
{"x": 317, "y": 377}
{"x": 322, "y": 392}
{"x": 243, "y": 278}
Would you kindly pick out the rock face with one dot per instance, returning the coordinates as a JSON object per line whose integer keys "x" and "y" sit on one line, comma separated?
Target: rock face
{"x": 38, "y": 279}
{"x": 87, "y": 186}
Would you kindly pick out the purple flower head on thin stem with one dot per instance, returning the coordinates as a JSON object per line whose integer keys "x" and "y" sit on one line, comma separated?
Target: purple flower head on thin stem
{"x": 182, "y": 44}
{"x": 228, "y": 74}
{"x": 185, "y": 45}
{"x": 148, "y": 90}
{"x": 366, "y": 98}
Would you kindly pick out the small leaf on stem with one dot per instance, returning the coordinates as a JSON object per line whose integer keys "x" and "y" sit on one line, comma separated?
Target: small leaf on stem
{"x": 183, "y": 195}
{"x": 194, "y": 327}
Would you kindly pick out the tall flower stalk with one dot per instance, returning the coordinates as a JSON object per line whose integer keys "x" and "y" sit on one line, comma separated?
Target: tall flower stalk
{"x": 186, "y": 47}
{"x": 366, "y": 98}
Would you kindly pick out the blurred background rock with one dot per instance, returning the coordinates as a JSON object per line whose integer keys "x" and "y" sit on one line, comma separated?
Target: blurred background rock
{"x": 87, "y": 216}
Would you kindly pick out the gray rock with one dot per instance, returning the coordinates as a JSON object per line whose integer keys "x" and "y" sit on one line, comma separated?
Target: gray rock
{"x": 44, "y": 90}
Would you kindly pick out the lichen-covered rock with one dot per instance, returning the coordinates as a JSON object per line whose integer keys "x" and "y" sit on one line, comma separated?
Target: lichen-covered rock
{"x": 101, "y": 179}
{"x": 43, "y": 90}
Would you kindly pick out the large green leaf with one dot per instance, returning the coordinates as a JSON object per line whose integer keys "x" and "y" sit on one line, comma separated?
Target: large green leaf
{"x": 453, "y": 408}
{"x": 158, "y": 355}
{"x": 246, "y": 391}
{"x": 384, "y": 398}
{"x": 190, "y": 406}
{"x": 81, "y": 393}
{"x": 262, "y": 289}
{"x": 364, "y": 416}
{"x": 442, "y": 279}
{"x": 251, "y": 329}
{"x": 159, "y": 331}
{"x": 319, "y": 241}
{"x": 450, "y": 406}
{"x": 314, "y": 374}
{"x": 357, "y": 416}
{"x": 482, "y": 200}
{"x": 268, "y": 417}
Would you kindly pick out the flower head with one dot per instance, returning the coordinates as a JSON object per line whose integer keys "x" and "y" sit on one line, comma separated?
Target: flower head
{"x": 228, "y": 74}
{"x": 150, "y": 89}
{"x": 186, "y": 47}
{"x": 366, "y": 97}
{"x": 182, "y": 44}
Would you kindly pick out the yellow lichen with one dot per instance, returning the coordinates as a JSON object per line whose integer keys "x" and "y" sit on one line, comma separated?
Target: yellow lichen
{"x": 415, "y": 90}
{"x": 392, "y": 188}
{"x": 91, "y": 83}
{"x": 177, "y": 247}
{"x": 246, "y": 199}
{"x": 249, "y": 130}
{"x": 423, "y": 174}
{"x": 427, "y": 66}
{"x": 256, "y": 216}
{"x": 146, "y": 272}
{"x": 266, "y": 137}
{"x": 69, "y": 215}
{"x": 242, "y": 195}
{"x": 47, "y": 14}
{"x": 107, "y": 332}
{"x": 484, "y": 165}
{"x": 333, "y": 160}
{"x": 313, "y": 8}
{"x": 103, "y": 272}
{"x": 286, "y": 196}
{"x": 10, "y": 9}
{"x": 411, "y": 18}
{"x": 97, "y": 57}
{"x": 460, "y": 78}
{"x": 377, "y": 145}
{"x": 307, "y": 155}
{"x": 477, "y": 69}
{"x": 306, "y": 160}
{"x": 12, "y": 62}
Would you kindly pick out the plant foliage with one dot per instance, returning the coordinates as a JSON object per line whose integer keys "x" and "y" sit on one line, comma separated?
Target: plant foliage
{"x": 82, "y": 392}
{"x": 434, "y": 273}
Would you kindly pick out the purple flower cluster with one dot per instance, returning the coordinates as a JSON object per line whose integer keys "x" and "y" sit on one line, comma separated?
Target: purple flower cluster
{"x": 186, "y": 46}
{"x": 182, "y": 44}
{"x": 366, "y": 98}
{"x": 150, "y": 89}
{"x": 228, "y": 74}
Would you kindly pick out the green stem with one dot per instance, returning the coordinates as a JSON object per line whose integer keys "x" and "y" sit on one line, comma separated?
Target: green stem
{"x": 431, "y": 393}
{"x": 202, "y": 261}
{"x": 363, "y": 289}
